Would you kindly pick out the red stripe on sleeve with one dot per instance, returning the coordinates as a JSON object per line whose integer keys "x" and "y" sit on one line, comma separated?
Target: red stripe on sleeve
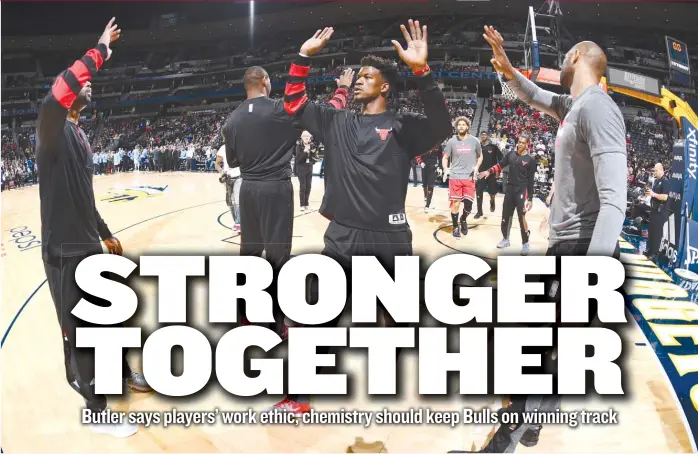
{"x": 339, "y": 101}
{"x": 497, "y": 168}
{"x": 96, "y": 56}
{"x": 62, "y": 92}
{"x": 294, "y": 88}
{"x": 81, "y": 72}
{"x": 292, "y": 107}
{"x": 298, "y": 71}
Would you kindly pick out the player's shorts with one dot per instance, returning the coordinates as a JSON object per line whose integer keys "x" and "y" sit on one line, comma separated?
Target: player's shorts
{"x": 461, "y": 189}
{"x": 489, "y": 184}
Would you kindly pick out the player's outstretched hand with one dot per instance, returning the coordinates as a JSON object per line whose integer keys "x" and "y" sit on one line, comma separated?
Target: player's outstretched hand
{"x": 317, "y": 42}
{"x": 113, "y": 246}
{"x": 483, "y": 174}
{"x": 111, "y": 33}
{"x": 500, "y": 61}
{"x": 346, "y": 79}
{"x": 416, "y": 54}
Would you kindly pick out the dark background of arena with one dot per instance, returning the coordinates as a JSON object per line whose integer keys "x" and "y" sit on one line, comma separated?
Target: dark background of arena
{"x": 176, "y": 73}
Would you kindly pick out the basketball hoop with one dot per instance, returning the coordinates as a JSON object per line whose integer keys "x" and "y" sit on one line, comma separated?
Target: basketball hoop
{"x": 507, "y": 92}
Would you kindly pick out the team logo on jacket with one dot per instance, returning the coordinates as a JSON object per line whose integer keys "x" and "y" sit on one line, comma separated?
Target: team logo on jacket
{"x": 396, "y": 219}
{"x": 383, "y": 133}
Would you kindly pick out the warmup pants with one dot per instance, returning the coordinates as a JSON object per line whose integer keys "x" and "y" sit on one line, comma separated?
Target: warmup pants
{"x": 413, "y": 171}
{"x": 266, "y": 222}
{"x": 341, "y": 244}
{"x": 654, "y": 233}
{"x": 508, "y": 437}
{"x": 232, "y": 197}
{"x": 79, "y": 362}
{"x": 514, "y": 199}
{"x": 489, "y": 184}
{"x": 266, "y": 219}
{"x": 428, "y": 181}
{"x": 305, "y": 178}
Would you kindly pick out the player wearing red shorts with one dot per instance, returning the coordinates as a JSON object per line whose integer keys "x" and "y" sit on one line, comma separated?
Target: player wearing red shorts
{"x": 464, "y": 153}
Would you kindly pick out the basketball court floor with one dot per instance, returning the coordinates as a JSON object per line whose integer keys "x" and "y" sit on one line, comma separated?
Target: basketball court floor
{"x": 176, "y": 213}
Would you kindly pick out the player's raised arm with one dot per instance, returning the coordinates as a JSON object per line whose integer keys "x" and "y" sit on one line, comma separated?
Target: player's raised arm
{"x": 602, "y": 127}
{"x": 423, "y": 132}
{"x": 546, "y": 101}
{"x": 340, "y": 98}
{"x": 69, "y": 84}
{"x": 312, "y": 117}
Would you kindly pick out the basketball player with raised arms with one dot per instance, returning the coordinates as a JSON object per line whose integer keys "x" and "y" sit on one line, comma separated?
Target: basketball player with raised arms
{"x": 71, "y": 226}
{"x": 259, "y": 139}
{"x": 588, "y": 210}
{"x": 464, "y": 152}
{"x": 368, "y": 156}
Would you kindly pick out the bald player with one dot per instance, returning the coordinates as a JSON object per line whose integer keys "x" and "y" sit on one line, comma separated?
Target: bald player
{"x": 659, "y": 210}
{"x": 588, "y": 210}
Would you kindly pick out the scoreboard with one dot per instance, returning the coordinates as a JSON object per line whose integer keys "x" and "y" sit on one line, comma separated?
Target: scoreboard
{"x": 616, "y": 77}
{"x": 678, "y": 61}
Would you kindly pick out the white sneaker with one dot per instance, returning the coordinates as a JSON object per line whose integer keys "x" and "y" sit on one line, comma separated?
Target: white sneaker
{"x": 118, "y": 430}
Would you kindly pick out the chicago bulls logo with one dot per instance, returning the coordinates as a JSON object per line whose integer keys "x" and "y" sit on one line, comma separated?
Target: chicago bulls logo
{"x": 383, "y": 133}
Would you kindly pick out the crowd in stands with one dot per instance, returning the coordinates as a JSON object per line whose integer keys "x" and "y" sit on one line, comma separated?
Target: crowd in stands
{"x": 122, "y": 140}
{"x": 190, "y": 142}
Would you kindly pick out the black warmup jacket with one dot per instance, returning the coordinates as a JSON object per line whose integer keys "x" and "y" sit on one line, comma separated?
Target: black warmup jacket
{"x": 260, "y": 137}
{"x": 431, "y": 158}
{"x": 522, "y": 171}
{"x": 367, "y": 157}
{"x": 70, "y": 223}
{"x": 491, "y": 155}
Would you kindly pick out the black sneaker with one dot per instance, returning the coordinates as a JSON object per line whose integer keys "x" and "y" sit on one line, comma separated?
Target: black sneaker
{"x": 463, "y": 228}
{"x": 499, "y": 442}
{"x": 478, "y": 215}
{"x": 137, "y": 383}
{"x": 491, "y": 205}
{"x": 530, "y": 437}
{"x": 456, "y": 233}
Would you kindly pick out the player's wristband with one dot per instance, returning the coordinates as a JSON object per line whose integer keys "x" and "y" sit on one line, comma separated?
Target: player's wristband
{"x": 423, "y": 71}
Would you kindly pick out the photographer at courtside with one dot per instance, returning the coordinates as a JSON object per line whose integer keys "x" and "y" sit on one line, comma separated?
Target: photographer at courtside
{"x": 659, "y": 210}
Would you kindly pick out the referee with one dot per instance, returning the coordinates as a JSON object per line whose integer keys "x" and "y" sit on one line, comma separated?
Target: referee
{"x": 588, "y": 210}
{"x": 260, "y": 138}
{"x": 659, "y": 210}
{"x": 71, "y": 226}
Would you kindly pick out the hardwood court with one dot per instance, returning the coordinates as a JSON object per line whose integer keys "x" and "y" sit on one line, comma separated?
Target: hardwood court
{"x": 40, "y": 412}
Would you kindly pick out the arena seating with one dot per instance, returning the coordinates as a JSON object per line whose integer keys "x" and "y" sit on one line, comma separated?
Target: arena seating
{"x": 207, "y": 83}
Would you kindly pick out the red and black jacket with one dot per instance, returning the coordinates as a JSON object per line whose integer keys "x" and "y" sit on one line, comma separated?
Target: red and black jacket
{"x": 70, "y": 223}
